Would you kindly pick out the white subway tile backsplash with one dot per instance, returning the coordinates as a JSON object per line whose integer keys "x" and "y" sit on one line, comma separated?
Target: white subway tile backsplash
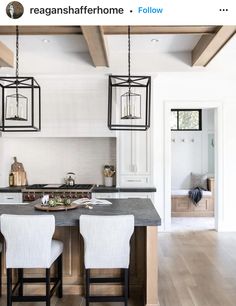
{"x": 47, "y": 160}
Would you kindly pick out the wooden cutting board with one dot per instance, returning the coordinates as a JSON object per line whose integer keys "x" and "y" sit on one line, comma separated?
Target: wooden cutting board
{"x": 56, "y": 208}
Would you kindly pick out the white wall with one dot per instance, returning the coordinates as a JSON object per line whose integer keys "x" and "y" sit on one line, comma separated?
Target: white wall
{"x": 47, "y": 160}
{"x": 189, "y": 152}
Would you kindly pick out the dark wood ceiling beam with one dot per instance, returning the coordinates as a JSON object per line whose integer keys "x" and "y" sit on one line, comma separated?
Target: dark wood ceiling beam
{"x": 209, "y": 45}
{"x": 96, "y": 45}
{"x": 6, "y": 56}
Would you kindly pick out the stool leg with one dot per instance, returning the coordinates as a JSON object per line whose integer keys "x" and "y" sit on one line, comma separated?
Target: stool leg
{"x": 0, "y": 274}
{"x": 126, "y": 286}
{"x": 20, "y": 279}
{"x": 47, "y": 287}
{"x": 59, "y": 271}
{"x": 87, "y": 294}
{"x": 9, "y": 287}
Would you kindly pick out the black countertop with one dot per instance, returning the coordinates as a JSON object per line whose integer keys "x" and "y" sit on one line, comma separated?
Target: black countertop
{"x": 143, "y": 210}
{"x": 11, "y": 189}
{"x": 101, "y": 189}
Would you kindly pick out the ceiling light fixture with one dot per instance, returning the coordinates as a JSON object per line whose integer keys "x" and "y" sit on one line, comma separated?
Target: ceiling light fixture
{"x": 21, "y": 101}
{"x": 129, "y": 100}
{"x": 154, "y": 40}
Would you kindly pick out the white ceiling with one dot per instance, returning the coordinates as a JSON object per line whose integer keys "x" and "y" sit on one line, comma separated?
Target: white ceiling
{"x": 68, "y": 54}
{"x": 56, "y": 44}
{"x": 143, "y": 43}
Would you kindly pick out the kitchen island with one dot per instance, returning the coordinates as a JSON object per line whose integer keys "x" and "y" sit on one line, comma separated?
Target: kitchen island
{"x": 144, "y": 257}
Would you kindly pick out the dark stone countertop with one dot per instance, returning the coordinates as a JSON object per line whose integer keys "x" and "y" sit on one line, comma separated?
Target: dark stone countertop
{"x": 98, "y": 189}
{"x": 11, "y": 189}
{"x": 104, "y": 189}
{"x": 143, "y": 210}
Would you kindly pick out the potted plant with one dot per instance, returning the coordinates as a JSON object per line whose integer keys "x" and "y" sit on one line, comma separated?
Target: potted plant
{"x": 108, "y": 173}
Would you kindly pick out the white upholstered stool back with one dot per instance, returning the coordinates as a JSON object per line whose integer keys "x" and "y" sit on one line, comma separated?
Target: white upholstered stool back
{"x": 28, "y": 240}
{"x": 106, "y": 240}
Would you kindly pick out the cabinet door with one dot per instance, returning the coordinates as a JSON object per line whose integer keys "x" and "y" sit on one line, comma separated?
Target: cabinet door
{"x": 107, "y": 195}
{"x": 180, "y": 204}
{"x": 134, "y": 153}
{"x": 11, "y": 197}
{"x": 136, "y": 195}
{"x": 201, "y": 205}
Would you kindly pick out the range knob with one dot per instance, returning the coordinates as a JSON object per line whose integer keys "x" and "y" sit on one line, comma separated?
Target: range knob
{"x": 32, "y": 197}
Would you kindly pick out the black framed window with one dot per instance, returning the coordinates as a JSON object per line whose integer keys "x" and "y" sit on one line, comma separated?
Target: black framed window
{"x": 186, "y": 119}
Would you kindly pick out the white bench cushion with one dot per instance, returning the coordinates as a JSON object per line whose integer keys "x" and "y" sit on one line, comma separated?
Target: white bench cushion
{"x": 185, "y": 192}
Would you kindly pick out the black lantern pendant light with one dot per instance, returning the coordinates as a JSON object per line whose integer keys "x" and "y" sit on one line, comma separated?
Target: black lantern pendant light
{"x": 129, "y": 100}
{"x": 21, "y": 101}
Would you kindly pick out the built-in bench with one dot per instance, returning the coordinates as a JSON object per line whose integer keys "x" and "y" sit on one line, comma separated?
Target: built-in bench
{"x": 182, "y": 206}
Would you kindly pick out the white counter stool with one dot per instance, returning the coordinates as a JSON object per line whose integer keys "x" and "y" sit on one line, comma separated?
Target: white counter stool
{"x": 29, "y": 244}
{"x": 107, "y": 246}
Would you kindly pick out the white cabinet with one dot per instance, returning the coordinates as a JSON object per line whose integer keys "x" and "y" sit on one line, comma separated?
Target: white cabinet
{"x": 134, "y": 158}
{"x": 123, "y": 195}
{"x": 11, "y": 198}
{"x": 134, "y": 180}
{"x": 103, "y": 195}
{"x": 136, "y": 195}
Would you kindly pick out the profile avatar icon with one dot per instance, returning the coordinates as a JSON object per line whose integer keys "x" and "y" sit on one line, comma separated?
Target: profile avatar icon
{"x": 14, "y": 10}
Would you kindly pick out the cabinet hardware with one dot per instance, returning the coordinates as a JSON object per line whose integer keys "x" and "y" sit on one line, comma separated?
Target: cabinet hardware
{"x": 134, "y": 180}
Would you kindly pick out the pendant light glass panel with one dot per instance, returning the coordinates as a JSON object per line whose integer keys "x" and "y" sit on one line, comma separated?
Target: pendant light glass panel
{"x": 130, "y": 106}
{"x": 16, "y": 107}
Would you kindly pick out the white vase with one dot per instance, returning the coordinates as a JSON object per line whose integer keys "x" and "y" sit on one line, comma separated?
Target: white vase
{"x": 108, "y": 181}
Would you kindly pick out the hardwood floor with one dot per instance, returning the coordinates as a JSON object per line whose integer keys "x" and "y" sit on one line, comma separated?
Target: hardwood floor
{"x": 69, "y": 300}
{"x": 197, "y": 269}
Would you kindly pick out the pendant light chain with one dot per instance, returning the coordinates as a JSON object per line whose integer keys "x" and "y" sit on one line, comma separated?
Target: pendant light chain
{"x": 17, "y": 70}
{"x": 129, "y": 52}
{"x": 129, "y": 80}
{"x": 17, "y": 52}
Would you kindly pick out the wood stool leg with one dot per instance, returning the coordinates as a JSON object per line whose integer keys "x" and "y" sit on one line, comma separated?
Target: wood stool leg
{"x": 48, "y": 287}
{"x": 9, "y": 287}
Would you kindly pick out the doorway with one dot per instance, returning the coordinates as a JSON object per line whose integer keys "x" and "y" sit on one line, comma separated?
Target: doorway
{"x": 181, "y": 179}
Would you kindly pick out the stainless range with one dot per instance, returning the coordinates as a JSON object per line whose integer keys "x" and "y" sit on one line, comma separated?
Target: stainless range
{"x": 36, "y": 191}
